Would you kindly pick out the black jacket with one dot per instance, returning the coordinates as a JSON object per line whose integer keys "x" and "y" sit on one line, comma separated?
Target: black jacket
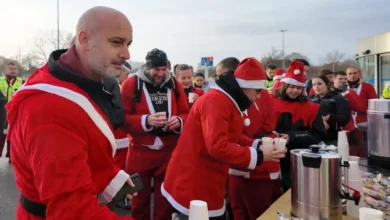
{"x": 300, "y": 136}
{"x": 106, "y": 95}
{"x": 337, "y": 107}
{"x": 3, "y": 102}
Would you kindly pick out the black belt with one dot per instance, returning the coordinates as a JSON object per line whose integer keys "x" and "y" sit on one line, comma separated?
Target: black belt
{"x": 34, "y": 208}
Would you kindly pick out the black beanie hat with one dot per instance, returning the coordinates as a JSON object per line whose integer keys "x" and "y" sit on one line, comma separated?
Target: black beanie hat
{"x": 156, "y": 58}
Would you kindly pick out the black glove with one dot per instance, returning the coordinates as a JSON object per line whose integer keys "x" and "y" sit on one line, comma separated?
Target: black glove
{"x": 260, "y": 157}
{"x": 284, "y": 123}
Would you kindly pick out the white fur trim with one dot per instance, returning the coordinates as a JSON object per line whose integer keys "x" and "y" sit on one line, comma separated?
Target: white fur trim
{"x": 178, "y": 131}
{"x": 113, "y": 188}
{"x": 144, "y": 125}
{"x": 251, "y": 84}
{"x": 278, "y": 77}
{"x": 235, "y": 172}
{"x": 186, "y": 211}
{"x": 274, "y": 176}
{"x": 252, "y": 163}
{"x": 122, "y": 143}
{"x": 345, "y": 93}
{"x": 255, "y": 143}
{"x": 293, "y": 82}
{"x": 297, "y": 72}
{"x": 257, "y": 107}
{"x": 158, "y": 144}
{"x": 81, "y": 101}
{"x": 247, "y": 122}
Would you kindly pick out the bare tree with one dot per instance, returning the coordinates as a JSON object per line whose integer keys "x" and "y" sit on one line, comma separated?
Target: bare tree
{"x": 46, "y": 42}
{"x": 334, "y": 58}
{"x": 272, "y": 57}
{"x": 295, "y": 55}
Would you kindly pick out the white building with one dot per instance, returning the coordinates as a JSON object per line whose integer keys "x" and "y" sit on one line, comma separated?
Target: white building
{"x": 373, "y": 56}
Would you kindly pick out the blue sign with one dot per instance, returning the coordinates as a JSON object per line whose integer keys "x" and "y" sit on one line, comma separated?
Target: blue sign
{"x": 207, "y": 61}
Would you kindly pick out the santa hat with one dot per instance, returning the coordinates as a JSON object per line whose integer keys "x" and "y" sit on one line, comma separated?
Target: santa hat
{"x": 278, "y": 74}
{"x": 250, "y": 74}
{"x": 295, "y": 74}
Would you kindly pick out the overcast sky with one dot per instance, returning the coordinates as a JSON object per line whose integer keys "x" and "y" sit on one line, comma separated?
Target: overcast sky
{"x": 190, "y": 29}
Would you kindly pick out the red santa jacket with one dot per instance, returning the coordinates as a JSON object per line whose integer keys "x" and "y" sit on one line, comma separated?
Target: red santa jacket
{"x": 356, "y": 104}
{"x": 262, "y": 122}
{"x": 62, "y": 148}
{"x": 148, "y": 151}
{"x": 199, "y": 167}
{"x": 365, "y": 91}
{"x": 306, "y": 111}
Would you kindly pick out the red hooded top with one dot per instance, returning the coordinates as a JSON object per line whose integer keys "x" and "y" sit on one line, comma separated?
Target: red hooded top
{"x": 62, "y": 148}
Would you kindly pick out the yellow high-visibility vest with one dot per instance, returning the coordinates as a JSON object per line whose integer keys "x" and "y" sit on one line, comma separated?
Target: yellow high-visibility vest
{"x": 386, "y": 92}
{"x": 7, "y": 90}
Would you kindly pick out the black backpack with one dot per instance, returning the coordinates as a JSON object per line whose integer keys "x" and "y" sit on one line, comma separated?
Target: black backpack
{"x": 139, "y": 86}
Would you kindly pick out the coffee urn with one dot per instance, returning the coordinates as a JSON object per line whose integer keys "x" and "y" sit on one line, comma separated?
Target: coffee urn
{"x": 378, "y": 132}
{"x": 316, "y": 184}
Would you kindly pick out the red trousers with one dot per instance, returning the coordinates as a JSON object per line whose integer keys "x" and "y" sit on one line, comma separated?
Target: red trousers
{"x": 140, "y": 205}
{"x": 250, "y": 198}
{"x": 120, "y": 158}
{"x": 3, "y": 137}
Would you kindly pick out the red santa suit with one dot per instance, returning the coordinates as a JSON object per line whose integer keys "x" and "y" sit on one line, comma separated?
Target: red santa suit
{"x": 252, "y": 192}
{"x": 122, "y": 144}
{"x": 300, "y": 120}
{"x": 149, "y": 153}
{"x": 209, "y": 143}
{"x": 365, "y": 91}
{"x": 355, "y": 104}
{"x": 62, "y": 147}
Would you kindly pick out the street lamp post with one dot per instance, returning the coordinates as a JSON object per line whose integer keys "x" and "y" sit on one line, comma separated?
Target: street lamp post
{"x": 283, "y": 46}
{"x": 58, "y": 24}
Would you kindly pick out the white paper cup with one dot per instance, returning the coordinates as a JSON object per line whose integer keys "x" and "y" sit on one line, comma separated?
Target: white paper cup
{"x": 162, "y": 114}
{"x": 198, "y": 210}
{"x": 280, "y": 143}
{"x": 191, "y": 96}
{"x": 354, "y": 158}
{"x": 354, "y": 171}
{"x": 267, "y": 142}
{"x": 369, "y": 214}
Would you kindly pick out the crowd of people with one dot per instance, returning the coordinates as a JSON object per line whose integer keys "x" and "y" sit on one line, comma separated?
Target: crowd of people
{"x": 80, "y": 127}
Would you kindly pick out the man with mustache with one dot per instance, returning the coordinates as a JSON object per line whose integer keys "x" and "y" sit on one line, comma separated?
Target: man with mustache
{"x": 155, "y": 110}
{"x": 61, "y": 123}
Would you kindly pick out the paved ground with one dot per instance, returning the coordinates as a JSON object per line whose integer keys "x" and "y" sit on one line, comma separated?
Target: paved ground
{"x": 9, "y": 193}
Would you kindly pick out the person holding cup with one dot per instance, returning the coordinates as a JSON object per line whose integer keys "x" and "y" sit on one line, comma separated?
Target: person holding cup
{"x": 183, "y": 75}
{"x": 299, "y": 120}
{"x": 212, "y": 141}
{"x": 155, "y": 109}
{"x": 251, "y": 192}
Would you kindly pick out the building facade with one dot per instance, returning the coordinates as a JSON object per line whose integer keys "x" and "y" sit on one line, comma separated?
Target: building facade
{"x": 373, "y": 57}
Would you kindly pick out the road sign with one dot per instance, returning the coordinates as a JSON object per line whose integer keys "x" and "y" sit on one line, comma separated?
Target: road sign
{"x": 207, "y": 61}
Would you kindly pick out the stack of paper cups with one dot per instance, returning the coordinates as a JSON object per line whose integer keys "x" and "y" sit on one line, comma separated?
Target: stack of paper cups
{"x": 355, "y": 182}
{"x": 198, "y": 210}
{"x": 370, "y": 214}
{"x": 343, "y": 146}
